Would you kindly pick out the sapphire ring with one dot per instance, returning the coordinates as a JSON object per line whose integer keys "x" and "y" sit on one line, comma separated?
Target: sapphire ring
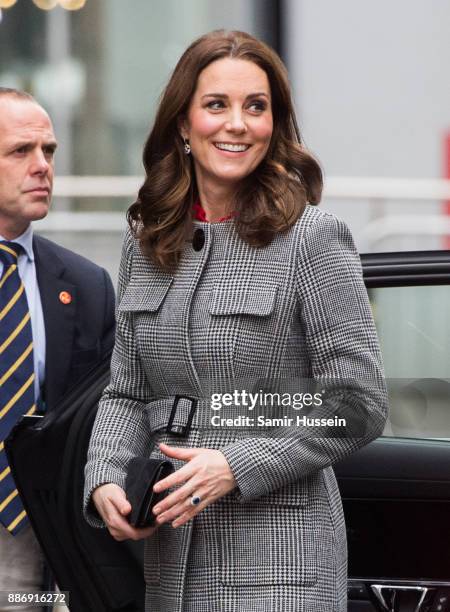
{"x": 195, "y": 500}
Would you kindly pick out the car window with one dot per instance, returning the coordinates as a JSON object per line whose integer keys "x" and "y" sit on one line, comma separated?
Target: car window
{"x": 413, "y": 325}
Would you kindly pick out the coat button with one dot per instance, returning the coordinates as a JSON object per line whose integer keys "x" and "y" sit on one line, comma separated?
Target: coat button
{"x": 198, "y": 240}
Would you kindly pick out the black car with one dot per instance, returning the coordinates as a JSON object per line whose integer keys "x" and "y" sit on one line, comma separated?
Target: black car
{"x": 396, "y": 491}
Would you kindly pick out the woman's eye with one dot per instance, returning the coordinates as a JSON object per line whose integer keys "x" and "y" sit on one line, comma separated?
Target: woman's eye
{"x": 215, "y": 105}
{"x": 258, "y": 106}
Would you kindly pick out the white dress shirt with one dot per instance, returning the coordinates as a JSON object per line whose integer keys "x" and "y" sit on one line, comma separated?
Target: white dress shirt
{"x": 27, "y": 272}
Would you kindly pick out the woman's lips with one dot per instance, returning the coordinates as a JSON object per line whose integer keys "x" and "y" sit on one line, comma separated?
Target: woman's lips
{"x": 232, "y": 148}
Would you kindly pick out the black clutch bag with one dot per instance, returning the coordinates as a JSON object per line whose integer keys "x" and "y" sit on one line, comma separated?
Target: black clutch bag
{"x": 141, "y": 476}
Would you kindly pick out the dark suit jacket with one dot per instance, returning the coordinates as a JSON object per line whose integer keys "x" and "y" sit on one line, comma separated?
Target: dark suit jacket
{"x": 79, "y": 333}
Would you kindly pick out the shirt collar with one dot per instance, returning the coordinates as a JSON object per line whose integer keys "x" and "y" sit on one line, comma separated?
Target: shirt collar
{"x": 26, "y": 242}
{"x": 200, "y": 215}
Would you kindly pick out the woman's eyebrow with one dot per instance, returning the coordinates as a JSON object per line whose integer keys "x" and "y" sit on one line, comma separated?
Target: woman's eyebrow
{"x": 222, "y": 95}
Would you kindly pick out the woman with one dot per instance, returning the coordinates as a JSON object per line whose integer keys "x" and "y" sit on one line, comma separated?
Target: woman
{"x": 228, "y": 274}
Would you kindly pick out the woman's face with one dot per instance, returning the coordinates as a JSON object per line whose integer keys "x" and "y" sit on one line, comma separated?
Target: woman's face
{"x": 229, "y": 122}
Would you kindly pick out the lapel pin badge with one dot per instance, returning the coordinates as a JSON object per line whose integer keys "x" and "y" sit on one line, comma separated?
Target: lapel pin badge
{"x": 65, "y": 297}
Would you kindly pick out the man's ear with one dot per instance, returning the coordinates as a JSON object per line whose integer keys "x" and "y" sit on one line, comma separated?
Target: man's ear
{"x": 183, "y": 127}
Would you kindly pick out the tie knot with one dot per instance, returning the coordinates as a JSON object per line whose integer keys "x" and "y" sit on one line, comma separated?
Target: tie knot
{"x": 9, "y": 252}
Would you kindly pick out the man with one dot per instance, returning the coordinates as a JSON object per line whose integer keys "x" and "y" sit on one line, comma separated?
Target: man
{"x": 56, "y": 312}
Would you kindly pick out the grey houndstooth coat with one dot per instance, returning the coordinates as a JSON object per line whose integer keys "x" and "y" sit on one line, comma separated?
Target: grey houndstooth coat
{"x": 295, "y": 309}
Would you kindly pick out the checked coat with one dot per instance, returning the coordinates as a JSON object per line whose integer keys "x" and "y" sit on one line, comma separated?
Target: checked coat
{"x": 295, "y": 309}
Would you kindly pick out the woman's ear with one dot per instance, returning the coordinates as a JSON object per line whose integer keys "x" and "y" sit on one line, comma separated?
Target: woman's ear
{"x": 183, "y": 127}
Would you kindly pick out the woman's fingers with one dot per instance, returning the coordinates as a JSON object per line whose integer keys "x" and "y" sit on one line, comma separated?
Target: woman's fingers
{"x": 127, "y": 532}
{"x": 113, "y": 506}
{"x": 206, "y": 475}
{"x": 181, "y": 475}
{"x": 114, "y": 502}
{"x": 190, "y": 511}
{"x": 206, "y": 463}
{"x": 190, "y": 476}
{"x": 178, "y": 452}
{"x": 184, "y": 504}
{"x": 178, "y": 496}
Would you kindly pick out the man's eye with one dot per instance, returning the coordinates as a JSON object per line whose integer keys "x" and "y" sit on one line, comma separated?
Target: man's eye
{"x": 21, "y": 150}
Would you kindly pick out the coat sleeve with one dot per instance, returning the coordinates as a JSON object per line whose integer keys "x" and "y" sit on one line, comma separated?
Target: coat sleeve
{"x": 121, "y": 429}
{"x": 345, "y": 360}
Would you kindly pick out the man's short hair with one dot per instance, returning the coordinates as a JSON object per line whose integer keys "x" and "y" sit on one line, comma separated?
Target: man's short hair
{"x": 17, "y": 93}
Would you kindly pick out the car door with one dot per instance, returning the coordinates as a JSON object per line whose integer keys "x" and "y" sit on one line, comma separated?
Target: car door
{"x": 396, "y": 491}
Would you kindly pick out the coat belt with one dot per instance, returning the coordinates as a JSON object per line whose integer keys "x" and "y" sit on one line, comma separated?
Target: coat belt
{"x": 179, "y": 414}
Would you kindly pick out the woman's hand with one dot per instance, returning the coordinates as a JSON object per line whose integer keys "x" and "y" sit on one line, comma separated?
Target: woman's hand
{"x": 113, "y": 506}
{"x": 206, "y": 475}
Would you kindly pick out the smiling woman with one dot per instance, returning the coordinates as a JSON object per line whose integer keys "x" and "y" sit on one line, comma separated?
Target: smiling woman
{"x": 228, "y": 274}
{"x": 229, "y": 103}
{"x": 228, "y": 133}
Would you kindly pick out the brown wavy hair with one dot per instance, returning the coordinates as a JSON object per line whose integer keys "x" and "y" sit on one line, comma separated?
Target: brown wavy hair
{"x": 268, "y": 201}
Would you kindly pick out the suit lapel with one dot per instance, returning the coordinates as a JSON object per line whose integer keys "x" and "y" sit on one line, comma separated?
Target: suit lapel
{"x": 59, "y": 318}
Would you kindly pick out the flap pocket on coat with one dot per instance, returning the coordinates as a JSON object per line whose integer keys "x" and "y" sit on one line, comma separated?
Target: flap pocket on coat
{"x": 295, "y": 494}
{"x": 275, "y": 548}
{"x": 251, "y": 300}
{"x": 145, "y": 297}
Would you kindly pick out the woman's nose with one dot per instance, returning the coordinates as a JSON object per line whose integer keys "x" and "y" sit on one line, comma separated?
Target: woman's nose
{"x": 236, "y": 123}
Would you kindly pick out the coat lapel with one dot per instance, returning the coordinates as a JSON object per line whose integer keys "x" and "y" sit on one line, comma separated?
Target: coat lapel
{"x": 59, "y": 318}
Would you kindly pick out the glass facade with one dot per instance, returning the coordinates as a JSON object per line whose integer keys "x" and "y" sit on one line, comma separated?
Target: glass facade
{"x": 99, "y": 71}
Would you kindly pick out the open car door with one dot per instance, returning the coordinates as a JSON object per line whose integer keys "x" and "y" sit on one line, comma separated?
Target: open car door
{"x": 396, "y": 491}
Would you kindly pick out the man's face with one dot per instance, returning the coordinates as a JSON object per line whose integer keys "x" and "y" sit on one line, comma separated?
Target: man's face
{"x": 27, "y": 149}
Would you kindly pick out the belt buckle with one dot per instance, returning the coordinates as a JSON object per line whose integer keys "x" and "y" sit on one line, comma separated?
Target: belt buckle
{"x": 186, "y": 428}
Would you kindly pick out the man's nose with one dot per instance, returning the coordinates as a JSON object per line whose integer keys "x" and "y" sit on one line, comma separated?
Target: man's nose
{"x": 40, "y": 164}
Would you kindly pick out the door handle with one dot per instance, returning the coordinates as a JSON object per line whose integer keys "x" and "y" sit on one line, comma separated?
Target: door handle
{"x": 399, "y": 598}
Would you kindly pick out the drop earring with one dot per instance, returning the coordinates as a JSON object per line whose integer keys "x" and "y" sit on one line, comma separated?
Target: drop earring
{"x": 187, "y": 146}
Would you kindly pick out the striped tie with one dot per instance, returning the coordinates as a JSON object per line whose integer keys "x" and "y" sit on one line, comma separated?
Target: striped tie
{"x": 16, "y": 376}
